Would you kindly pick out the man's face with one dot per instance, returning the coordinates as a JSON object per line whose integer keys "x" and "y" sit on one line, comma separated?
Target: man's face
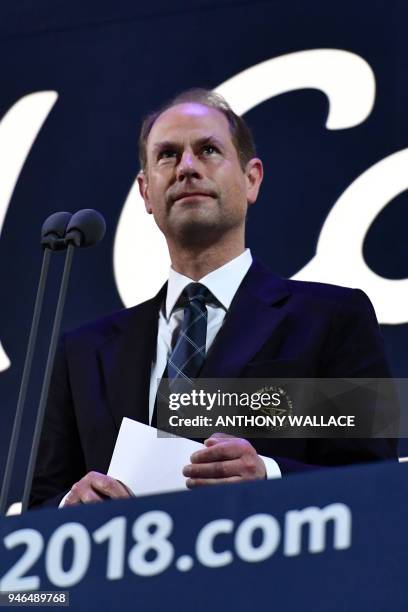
{"x": 194, "y": 184}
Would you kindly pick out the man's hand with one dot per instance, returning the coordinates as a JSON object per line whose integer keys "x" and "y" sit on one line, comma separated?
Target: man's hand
{"x": 95, "y": 487}
{"x": 225, "y": 459}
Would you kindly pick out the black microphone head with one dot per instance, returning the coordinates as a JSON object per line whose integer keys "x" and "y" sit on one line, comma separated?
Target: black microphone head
{"x": 86, "y": 228}
{"x": 53, "y": 231}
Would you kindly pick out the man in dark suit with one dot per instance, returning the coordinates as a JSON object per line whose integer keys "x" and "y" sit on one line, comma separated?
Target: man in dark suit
{"x": 199, "y": 174}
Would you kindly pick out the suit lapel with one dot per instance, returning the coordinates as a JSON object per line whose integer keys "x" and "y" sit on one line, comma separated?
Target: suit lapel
{"x": 253, "y": 318}
{"x": 126, "y": 359}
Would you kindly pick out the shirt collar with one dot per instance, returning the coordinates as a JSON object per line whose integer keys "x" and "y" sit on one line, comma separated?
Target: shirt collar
{"x": 222, "y": 282}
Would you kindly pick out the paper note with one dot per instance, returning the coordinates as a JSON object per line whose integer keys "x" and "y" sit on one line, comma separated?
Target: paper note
{"x": 148, "y": 464}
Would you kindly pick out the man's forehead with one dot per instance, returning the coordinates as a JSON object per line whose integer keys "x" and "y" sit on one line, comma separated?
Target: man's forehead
{"x": 188, "y": 117}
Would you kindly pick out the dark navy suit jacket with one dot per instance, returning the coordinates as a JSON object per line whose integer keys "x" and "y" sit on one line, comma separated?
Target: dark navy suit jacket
{"x": 274, "y": 328}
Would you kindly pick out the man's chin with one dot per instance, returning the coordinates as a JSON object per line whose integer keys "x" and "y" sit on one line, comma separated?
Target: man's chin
{"x": 198, "y": 233}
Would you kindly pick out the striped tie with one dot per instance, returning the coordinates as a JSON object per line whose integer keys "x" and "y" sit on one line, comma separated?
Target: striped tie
{"x": 188, "y": 355}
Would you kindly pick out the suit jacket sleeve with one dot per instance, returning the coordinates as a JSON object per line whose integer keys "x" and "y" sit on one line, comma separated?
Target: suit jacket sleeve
{"x": 60, "y": 460}
{"x": 354, "y": 349}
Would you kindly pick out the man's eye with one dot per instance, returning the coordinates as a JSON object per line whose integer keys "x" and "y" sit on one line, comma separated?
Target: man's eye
{"x": 209, "y": 150}
{"x": 167, "y": 154}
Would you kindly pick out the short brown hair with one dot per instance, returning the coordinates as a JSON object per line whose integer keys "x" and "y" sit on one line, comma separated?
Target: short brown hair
{"x": 240, "y": 132}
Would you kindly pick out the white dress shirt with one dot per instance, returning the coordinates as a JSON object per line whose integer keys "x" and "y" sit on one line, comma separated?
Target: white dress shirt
{"x": 223, "y": 284}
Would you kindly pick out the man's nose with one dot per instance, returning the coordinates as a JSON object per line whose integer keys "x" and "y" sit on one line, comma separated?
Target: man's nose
{"x": 188, "y": 167}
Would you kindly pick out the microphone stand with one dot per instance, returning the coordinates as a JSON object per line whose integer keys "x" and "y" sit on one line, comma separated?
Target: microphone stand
{"x": 47, "y": 375}
{"x": 24, "y": 381}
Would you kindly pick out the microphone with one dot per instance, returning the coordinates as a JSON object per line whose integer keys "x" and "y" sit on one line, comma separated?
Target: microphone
{"x": 85, "y": 229}
{"x": 53, "y": 231}
{"x": 52, "y": 239}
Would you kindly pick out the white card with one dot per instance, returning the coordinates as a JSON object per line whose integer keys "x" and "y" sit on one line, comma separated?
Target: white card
{"x": 147, "y": 464}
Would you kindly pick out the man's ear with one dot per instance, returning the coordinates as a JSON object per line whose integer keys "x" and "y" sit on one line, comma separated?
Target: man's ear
{"x": 254, "y": 176}
{"x": 144, "y": 190}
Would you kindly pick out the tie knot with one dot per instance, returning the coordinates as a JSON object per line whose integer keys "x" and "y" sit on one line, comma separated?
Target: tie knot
{"x": 196, "y": 291}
